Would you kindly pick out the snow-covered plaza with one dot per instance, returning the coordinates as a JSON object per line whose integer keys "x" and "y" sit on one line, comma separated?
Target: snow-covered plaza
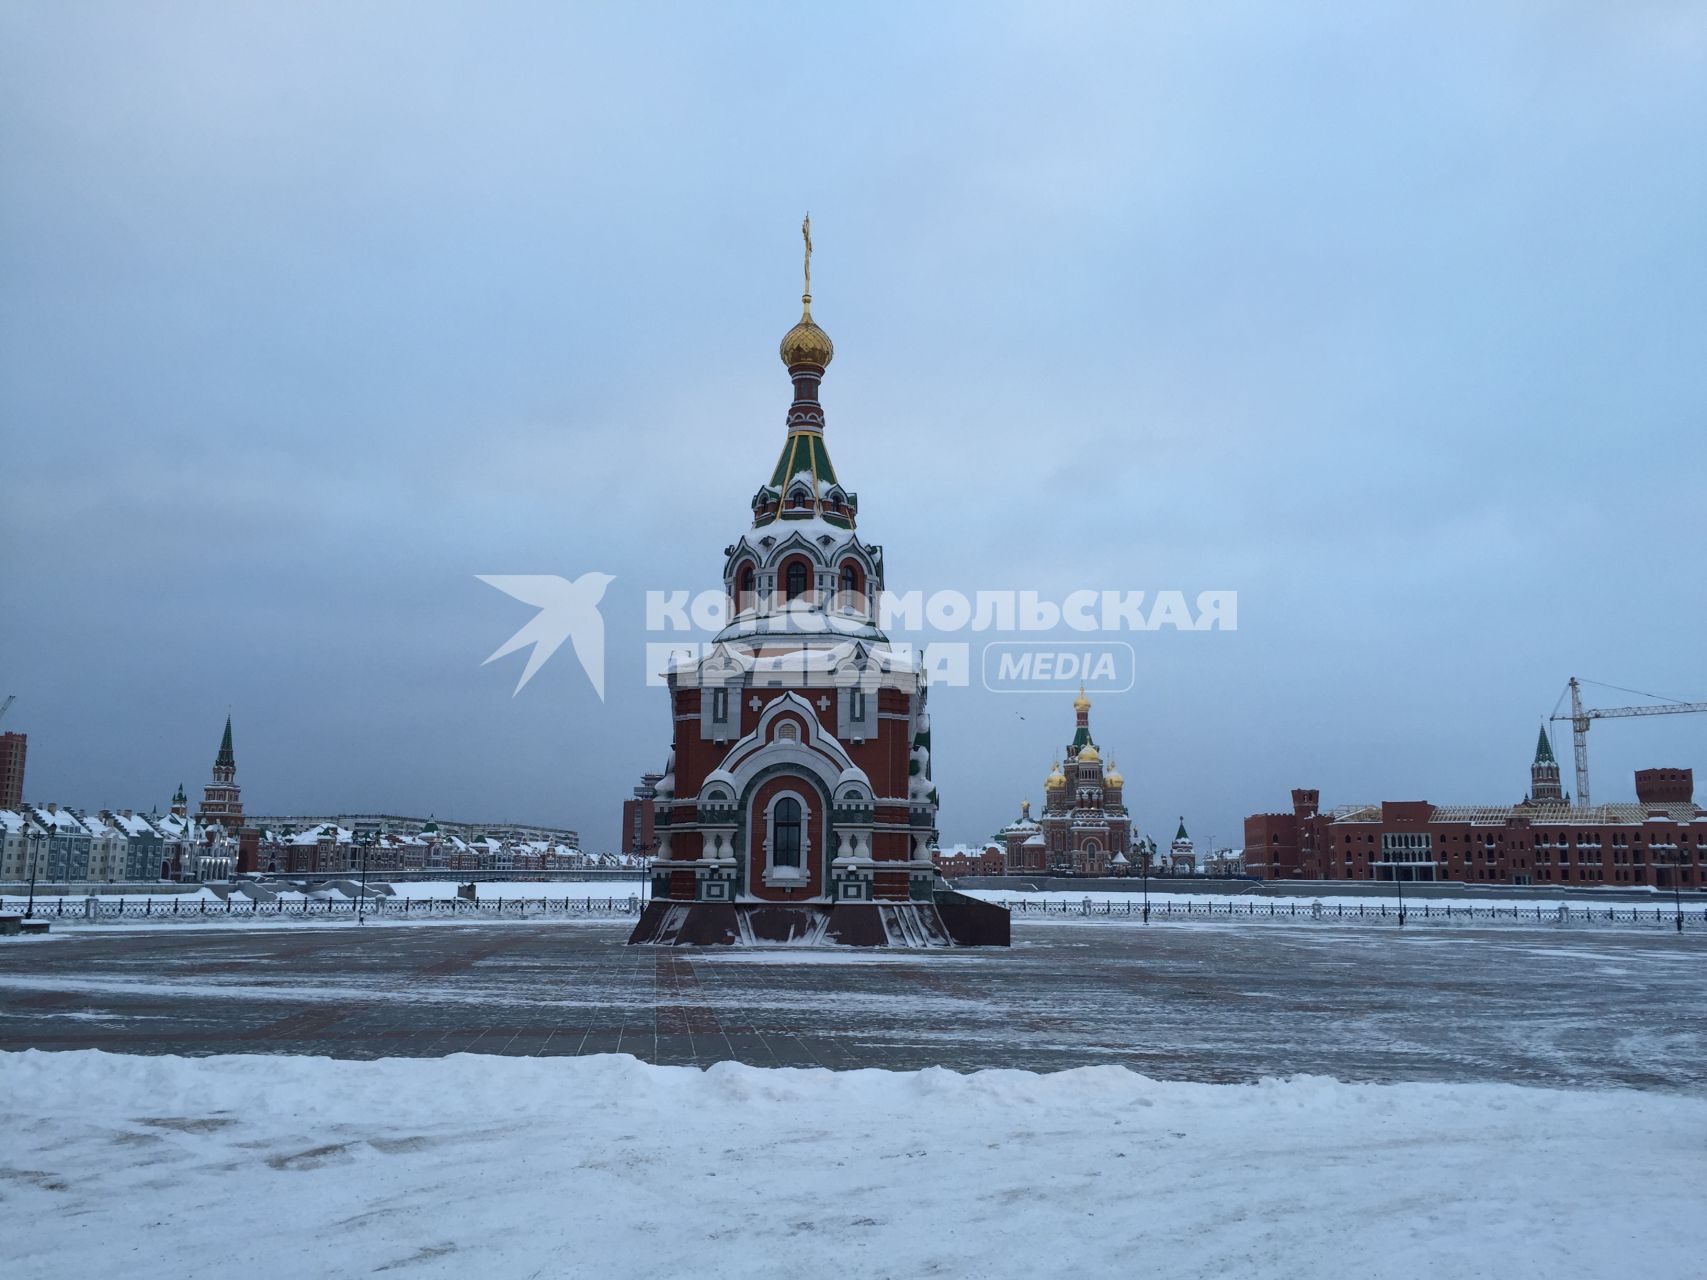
{"x": 1190, "y": 1099}
{"x": 1201, "y": 1000}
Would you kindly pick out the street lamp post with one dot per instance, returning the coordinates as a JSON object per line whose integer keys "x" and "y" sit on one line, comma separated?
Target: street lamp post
{"x": 366, "y": 843}
{"x": 1677, "y": 885}
{"x": 1400, "y": 881}
{"x": 36, "y": 837}
{"x": 647, "y": 850}
{"x": 1146, "y": 853}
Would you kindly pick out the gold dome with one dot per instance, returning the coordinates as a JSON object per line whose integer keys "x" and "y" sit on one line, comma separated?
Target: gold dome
{"x": 806, "y": 343}
{"x": 1081, "y": 703}
{"x": 1114, "y": 777}
{"x": 1055, "y": 779}
{"x": 1090, "y": 754}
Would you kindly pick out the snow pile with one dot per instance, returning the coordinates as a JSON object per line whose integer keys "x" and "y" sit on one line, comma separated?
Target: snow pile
{"x": 604, "y": 1166}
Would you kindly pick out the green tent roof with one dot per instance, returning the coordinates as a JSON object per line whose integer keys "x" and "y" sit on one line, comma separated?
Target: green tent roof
{"x": 804, "y": 451}
{"x": 1544, "y": 749}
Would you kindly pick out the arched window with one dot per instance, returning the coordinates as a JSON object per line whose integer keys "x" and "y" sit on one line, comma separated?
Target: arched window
{"x": 785, "y": 833}
{"x": 796, "y": 581}
{"x": 744, "y": 588}
{"x": 850, "y": 581}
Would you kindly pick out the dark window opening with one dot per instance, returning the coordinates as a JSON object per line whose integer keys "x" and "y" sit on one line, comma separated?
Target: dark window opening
{"x": 785, "y": 833}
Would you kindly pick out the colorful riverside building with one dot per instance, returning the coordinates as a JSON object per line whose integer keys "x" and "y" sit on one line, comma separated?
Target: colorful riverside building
{"x": 1085, "y": 829}
{"x": 1659, "y": 841}
{"x": 797, "y": 802}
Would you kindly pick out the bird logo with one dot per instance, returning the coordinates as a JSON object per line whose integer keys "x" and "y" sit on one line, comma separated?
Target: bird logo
{"x": 567, "y": 611}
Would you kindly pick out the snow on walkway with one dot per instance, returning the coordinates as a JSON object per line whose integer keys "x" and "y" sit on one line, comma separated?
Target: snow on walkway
{"x": 495, "y": 1167}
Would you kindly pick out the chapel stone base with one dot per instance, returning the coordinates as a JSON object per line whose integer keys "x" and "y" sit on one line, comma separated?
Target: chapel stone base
{"x": 951, "y": 920}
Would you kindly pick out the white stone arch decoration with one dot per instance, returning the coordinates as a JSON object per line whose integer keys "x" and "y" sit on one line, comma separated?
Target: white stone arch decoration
{"x": 816, "y": 752}
{"x": 854, "y": 789}
{"x": 794, "y": 543}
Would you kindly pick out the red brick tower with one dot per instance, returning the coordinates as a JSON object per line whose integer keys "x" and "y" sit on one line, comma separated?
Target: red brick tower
{"x": 222, "y": 798}
{"x": 14, "y": 747}
{"x": 797, "y": 801}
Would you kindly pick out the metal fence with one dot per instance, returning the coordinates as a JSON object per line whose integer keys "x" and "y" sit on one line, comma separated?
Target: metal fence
{"x": 189, "y": 910}
{"x": 1366, "y": 911}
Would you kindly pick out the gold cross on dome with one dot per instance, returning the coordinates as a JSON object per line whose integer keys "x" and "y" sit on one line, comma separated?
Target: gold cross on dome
{"x": 806, "y": 235}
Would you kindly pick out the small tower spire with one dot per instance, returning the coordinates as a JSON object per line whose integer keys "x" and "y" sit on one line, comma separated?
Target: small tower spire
{"x": 226, "y": 758}
{"x": 803, "y": 484}
{"x": 1081, "y": 723}
{"x": 1544, "y": 749}
{"x": 1545, "y": 786}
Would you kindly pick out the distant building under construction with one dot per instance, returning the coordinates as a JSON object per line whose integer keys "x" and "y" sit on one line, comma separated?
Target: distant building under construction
{"x": 1661, "y": 840}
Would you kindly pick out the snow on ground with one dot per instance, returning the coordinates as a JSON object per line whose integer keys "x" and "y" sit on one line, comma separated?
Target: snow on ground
{"x": 606, "y": 1167}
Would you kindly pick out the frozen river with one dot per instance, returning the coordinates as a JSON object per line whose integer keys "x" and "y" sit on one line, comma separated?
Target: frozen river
{"x": 1200, "y": 1001}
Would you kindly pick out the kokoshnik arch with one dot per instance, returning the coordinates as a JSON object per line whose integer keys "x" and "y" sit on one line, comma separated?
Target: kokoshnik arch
{"x": 797, "y": 803}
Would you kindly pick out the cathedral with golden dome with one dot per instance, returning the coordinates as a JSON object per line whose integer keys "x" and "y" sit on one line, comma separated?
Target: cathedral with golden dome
{"x": 1085, "y": 829}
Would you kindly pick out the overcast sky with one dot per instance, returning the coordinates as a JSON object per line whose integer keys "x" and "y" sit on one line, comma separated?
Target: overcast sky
{"x": 1393, "y": 319}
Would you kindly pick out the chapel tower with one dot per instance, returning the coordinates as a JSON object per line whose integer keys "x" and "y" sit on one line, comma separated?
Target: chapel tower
{"x": 797, "y": 802}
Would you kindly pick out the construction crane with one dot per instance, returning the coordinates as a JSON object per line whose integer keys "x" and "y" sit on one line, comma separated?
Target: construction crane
{"x": 1580, "y": 716}
{"x": 7, "y": 705}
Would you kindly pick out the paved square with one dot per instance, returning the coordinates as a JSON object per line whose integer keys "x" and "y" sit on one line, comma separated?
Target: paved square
{"x": 1181, "y": 1001}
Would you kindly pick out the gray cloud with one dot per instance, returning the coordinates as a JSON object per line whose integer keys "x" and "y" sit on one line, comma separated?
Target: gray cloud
{"x": 1394, "y": 322}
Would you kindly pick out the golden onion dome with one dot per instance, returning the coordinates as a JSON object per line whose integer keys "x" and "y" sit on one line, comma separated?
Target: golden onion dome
{"x": 806, "y": 343}
{"x": 1081, "y": 703}
{"x": 1114, "y": 777}
{"x": 1090, "y": 754}
{"x": 1056, "y": 778}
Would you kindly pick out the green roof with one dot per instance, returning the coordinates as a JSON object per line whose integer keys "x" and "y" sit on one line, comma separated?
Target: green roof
{"x": 1544, "y": 749}
{"x": 1180, "y": 834}
{"x": 226, "y": 759}
{"x": 804, "y": 451}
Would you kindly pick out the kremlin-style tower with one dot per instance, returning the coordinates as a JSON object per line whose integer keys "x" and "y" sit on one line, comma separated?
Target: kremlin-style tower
{"x": 1544, "y": 785}
{"x": 222, "y": 799}
{"x": 797, "y": 802}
